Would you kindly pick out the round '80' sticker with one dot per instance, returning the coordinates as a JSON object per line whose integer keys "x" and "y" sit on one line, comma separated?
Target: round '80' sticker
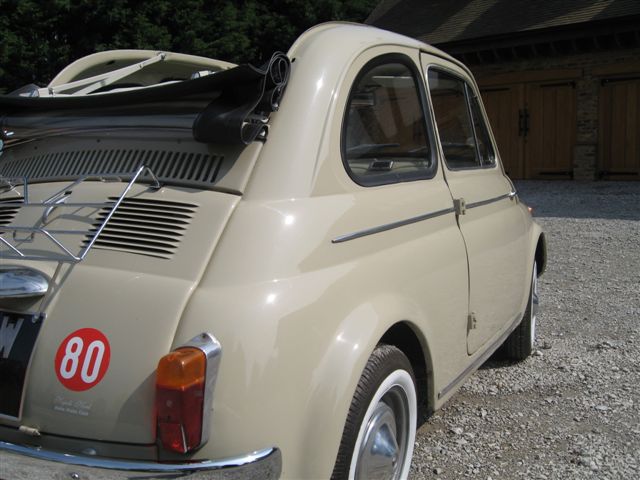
{"x": 82, "y": 359}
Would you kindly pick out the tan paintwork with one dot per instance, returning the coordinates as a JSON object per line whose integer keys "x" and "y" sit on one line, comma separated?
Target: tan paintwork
{"x": 173, "y": 64}
{"x": 297, "y": 315}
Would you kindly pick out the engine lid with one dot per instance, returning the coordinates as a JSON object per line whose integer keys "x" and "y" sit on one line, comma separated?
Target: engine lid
{"x": 89, "y": 347}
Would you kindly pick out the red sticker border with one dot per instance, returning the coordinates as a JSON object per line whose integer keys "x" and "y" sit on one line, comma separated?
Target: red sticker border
{"x": 82, "y": 359}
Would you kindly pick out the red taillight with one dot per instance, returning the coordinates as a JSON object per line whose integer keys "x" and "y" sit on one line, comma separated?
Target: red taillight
{"x": 180, "y": 389}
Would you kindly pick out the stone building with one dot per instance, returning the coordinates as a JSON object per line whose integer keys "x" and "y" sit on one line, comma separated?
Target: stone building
{"x": 560, "y": 79}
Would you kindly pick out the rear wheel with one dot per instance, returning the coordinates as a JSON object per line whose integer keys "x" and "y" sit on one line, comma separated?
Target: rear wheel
{"x": 378, "y": 437}
{"x": 519, "y": 344}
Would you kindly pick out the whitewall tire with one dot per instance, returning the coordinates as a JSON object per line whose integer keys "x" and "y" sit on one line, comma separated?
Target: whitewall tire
{"x": 380, "y": 431}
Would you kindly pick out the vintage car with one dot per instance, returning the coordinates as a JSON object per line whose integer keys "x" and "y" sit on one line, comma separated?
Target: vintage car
{"x": 222, "y": 271}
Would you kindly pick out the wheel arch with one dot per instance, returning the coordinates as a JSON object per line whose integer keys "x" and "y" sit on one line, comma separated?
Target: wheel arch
{"x": 541, "y": 254}
{"x": 378, "y": 320}
{"x": 406, "y": 337}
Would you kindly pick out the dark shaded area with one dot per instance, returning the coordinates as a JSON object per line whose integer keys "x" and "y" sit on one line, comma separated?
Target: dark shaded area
{"x": 484, "y": 18}
{"x": 37, "y": 39}
{"x": 491, "y": 31}
{"x": 18, "y": 334}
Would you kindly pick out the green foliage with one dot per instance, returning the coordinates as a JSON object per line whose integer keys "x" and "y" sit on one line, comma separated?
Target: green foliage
{"x": 38, "y": 38}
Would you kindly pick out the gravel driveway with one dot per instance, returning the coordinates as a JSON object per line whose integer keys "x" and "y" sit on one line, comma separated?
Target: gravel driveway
{"x": 572, "y": 410}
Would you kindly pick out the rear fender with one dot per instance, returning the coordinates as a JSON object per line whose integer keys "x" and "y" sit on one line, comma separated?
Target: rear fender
{"x": 338, "y": 373}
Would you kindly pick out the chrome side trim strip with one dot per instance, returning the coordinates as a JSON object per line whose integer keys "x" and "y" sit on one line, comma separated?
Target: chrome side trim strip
{"x": 491, "y": 200}
{"x": 270, "y": 455}
{"x": 481, "y": 358}
{"x": 391, "y": 226}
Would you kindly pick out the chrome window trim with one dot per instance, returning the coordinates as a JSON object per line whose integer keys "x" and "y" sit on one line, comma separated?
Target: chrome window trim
{"x": 471, "y": 95}
{"x": 186, "y": 468}
{"x": 467, "y": 79}
{"x": 390, "y": 226}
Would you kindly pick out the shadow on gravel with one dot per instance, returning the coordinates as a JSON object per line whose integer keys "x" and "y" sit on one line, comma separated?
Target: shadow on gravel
{"x": 571, "y": 199}
{"x": 495, "y": 362}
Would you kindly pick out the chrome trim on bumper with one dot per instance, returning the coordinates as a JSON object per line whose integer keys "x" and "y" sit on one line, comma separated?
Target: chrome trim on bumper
{"x": 34, "y": 462}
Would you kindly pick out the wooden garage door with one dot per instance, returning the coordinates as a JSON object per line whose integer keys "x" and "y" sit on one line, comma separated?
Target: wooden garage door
{"x": 619, "y": 155}
{"x": 534, "y": 125}
{"x": 504, "y": 106}
{"x": 551, "y": 130}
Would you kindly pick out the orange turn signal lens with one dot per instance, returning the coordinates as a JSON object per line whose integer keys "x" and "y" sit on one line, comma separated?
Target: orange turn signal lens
{"x": 182, "y": 368}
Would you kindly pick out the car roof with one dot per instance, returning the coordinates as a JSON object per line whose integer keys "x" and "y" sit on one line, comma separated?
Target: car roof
{"x": 357, "y": 37}
{"x": 292, "y": 162}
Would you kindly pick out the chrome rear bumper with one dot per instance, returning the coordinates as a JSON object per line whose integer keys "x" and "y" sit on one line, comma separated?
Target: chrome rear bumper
{"x": 23, "y": 462}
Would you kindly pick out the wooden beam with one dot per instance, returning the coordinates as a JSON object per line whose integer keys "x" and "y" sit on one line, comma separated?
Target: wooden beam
{"x": 622, "y": 68}
{"x": 529, "y": 76}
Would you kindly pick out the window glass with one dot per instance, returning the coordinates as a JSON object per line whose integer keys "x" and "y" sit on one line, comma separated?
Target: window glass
{"x": 452, "y": 117}
{"x": 385, "y": 136}
{"x": 485, "y": 149}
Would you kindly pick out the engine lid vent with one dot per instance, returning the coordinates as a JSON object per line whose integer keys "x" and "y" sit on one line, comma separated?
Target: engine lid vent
{"x": 8, "y": 213}
{"x": 178, "y": 167}
{"x": 144, "y": 226}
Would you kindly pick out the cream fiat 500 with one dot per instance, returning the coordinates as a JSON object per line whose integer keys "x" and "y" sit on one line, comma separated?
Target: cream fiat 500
{"x": 220, "y": 271}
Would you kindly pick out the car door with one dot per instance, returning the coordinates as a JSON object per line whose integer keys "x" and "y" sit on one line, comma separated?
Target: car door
{"x": 489, "y": 218}
{"x": 398, "y": 228}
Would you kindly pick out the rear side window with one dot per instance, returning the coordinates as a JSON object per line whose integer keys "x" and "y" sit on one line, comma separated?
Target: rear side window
{"x": 485, "y": 149}
{"x": 385, "y": 137}
{"x": 463, "y": 133}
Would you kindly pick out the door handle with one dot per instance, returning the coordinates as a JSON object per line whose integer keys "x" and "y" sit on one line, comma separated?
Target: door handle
{"x": 520, "y": 122}
{"x": 523, "y": 122}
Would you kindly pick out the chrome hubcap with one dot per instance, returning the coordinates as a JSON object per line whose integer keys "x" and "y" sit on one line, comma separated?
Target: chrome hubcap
{"x": 383, "y": 450}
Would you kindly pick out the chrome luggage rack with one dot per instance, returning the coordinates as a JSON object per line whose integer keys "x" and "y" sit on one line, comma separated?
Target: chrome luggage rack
{"x": 9, "y": 250}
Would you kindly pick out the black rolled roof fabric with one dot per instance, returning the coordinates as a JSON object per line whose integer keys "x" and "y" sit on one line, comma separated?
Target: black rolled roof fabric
{"x": 240, "y": 101}
{"x": 241, "y": 111}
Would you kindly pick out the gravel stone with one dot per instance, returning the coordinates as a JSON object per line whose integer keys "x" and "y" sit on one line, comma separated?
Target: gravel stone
{"x": 572, "y": 410}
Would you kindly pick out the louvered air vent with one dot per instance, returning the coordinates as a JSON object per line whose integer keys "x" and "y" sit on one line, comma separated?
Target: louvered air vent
{"x": 198, "y": 169}
{"x": 8, "y": 213}
{"x": 144, "y": 226}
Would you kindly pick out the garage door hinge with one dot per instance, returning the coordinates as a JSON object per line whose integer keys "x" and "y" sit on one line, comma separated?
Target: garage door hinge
{"x": 471, "y": 321}
{"x": 459, "y": 206}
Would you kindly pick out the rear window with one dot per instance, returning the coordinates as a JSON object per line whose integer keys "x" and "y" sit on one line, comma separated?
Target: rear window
{"x": 385, "y": 136}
